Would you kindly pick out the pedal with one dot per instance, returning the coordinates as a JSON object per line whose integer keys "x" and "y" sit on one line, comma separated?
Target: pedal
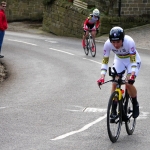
{"x": 113, "y": 118}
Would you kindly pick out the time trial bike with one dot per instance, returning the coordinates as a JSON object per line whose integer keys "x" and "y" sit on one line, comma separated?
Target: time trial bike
{"x": 120, "y": 108}
{"x": 90, "y": 44}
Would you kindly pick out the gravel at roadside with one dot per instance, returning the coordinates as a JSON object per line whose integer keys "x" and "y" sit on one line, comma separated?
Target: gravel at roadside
{"x": 3, "y": 72}
{"x": 26, "y": 27}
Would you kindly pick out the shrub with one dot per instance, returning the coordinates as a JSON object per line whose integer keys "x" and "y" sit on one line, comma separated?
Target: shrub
{"x": 48, "y": 2}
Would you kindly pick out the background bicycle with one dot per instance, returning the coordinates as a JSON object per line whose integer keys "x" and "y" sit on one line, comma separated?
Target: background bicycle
{"x": 119, "y": 109}
{"x": 90, "y": 45}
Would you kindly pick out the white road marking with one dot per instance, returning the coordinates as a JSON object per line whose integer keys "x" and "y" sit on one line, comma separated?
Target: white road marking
{"x": 74, "y": 110}
{"x": 88, "y": 109}
{"x": 78, "y": 108}
{"x": 80, "y": 130}
{"x": 22, "y": 42}
{"x": 61, "y": 51}
{"x": 51, "y": 41}
{"x": 143, "y": 115}
{"x": 2, "y": 107}
{"x": 93, "y": 61}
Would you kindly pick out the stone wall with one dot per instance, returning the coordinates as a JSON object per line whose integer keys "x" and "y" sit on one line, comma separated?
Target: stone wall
{"x": 128, "y": 7}
{"x": 18, "y": 10}
{"x": 134, "y": 7}
{"x": 64, "y": 19}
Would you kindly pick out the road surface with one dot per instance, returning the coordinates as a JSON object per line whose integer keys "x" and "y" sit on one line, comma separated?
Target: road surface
{"x": 51, "y": 101}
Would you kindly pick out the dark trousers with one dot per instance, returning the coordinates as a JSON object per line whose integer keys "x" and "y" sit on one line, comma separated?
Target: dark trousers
{"x": 1, "y": 39}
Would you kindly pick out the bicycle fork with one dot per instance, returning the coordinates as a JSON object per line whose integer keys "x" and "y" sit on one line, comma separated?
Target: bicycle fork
{"x": 90, "y": 41}
{"x": 119, "y": 100}
{"x": 120, "y": 92}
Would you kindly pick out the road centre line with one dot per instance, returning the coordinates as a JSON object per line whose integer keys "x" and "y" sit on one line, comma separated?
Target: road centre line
{"x": 22, "y": 42}
{"x": 53, "y": 50}
{"x": 2, "y": 107}
{"x": 93, "y": 61}
{"x": 61, "y": 51}
{"x": 51, "y": 41}
{"x": 80, "y": 130}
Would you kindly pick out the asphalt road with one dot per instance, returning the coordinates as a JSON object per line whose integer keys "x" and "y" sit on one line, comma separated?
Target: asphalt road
{"x": 51, "y": 100}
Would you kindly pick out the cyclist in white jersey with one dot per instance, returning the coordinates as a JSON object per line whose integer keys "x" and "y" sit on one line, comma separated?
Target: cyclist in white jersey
{"x": 126, "y": 58}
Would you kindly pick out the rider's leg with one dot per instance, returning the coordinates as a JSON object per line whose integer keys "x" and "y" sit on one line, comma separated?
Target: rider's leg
{"x": 113, "y": 114}
{"x": 93, "y": 34}
{"x": 84, "y": 37}
{"x": 132, "y": 91}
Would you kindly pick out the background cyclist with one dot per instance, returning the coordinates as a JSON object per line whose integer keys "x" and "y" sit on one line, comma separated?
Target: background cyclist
{"x": 126, "y": 58}
{"x": 92, "y": 22}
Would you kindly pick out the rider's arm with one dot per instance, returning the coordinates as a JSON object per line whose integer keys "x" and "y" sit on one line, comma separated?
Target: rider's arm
{"x": 104, "y": 66}
{"x": 97, "y": 24}
{"x": 85, "y": 23}
{"x": 106, "y": 53}
{"x": 132, "y": 56}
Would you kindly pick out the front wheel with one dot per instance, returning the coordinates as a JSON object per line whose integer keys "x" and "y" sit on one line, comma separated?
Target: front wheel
{"x": 114, "y": 117}
{"x": 131, "y": 122}
{"x": 92, "y": 47}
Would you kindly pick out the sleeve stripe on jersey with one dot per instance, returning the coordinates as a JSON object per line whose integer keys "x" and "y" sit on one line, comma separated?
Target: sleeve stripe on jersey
{"x": 105, "y": 60}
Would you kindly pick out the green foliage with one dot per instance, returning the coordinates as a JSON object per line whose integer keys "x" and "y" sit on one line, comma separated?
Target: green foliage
{"x": 48, "y": 2}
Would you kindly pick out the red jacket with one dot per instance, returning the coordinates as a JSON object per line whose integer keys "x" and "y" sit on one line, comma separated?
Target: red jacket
{"x": 3, "y": 20}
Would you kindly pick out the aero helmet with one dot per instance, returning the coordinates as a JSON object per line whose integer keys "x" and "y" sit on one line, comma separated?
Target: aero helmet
{"x": 96, "y": 12}
{"x": 116, "y": 33}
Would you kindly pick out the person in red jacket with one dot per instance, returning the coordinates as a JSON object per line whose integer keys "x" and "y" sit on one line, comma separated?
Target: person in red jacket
{"x": 3, "y": 24}
{"x": 93, "y": 23}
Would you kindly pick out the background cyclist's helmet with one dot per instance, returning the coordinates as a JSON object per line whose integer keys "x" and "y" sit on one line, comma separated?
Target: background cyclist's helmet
{"x": 96, "y": 12}
{"x": 116, "y": 33}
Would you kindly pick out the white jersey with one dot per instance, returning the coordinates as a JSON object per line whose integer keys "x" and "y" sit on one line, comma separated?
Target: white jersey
{"x": 127, "y": 54}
